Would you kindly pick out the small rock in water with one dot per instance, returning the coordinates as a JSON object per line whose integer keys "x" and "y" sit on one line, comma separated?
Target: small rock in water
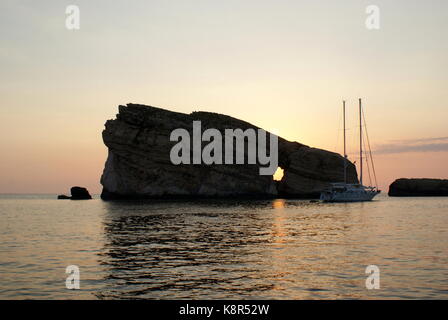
{"x": 80, "y": 193}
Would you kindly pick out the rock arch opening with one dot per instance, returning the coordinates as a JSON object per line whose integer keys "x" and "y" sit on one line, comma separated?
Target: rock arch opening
{"x": 278, "y": 175}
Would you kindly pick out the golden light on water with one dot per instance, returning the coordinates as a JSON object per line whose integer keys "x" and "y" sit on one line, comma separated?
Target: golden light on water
{"x": 279, "y": 231}
{"x": 278, "y": 204}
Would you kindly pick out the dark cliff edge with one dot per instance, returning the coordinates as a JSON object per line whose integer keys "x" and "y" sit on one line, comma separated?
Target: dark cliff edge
{"x": 419, "y": 188}
{"x": 138, "y": 165}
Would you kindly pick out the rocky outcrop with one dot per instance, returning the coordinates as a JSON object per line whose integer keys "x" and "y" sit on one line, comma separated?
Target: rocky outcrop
{"x": 77, "y": 193}
{"x": 418, "y": 188}
{"x": 139, "y": 165}
{"x": 80, "y": 193}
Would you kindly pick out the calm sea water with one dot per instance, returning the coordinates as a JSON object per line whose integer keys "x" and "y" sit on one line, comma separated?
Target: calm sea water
{"x": 279, "y": 249}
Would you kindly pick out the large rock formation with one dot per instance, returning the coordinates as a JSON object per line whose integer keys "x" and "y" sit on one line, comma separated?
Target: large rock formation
{"x": 139, "y": 165}
{"x": 418, "y": 188}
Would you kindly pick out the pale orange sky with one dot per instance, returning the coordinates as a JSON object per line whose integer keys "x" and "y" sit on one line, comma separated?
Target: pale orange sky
{"x": 282, "y": 65}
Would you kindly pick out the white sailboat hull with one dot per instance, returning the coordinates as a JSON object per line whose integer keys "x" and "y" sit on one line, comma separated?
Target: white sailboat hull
{"x": 349, "y": 193}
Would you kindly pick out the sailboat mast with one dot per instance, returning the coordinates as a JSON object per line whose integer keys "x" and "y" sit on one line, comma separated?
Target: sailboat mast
{"x": 345, "y": 150}
{"x": 360, "y": 141}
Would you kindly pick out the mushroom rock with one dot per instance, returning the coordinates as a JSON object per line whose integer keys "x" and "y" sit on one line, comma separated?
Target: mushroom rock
{"x": 139, "y": 165}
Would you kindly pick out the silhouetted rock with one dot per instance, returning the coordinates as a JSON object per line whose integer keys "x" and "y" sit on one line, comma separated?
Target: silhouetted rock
{"x": 139, "y": 166}
{"x": 418, "y": 188}
{"x": 63, "y": 197}
{"x": 80, "y": 193}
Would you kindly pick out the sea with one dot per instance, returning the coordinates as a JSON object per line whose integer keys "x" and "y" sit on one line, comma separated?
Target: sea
{"x": 223, "y": 249}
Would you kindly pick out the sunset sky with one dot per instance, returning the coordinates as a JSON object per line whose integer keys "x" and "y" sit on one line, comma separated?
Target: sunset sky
{"x": 281, "y": 65}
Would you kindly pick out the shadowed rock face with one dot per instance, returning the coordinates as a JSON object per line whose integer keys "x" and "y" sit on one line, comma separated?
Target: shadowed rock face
{"x": 418, "y": 188}
{"x": 80, "y": 193}
{"x": 139, "y": 165}
{"x": 77, "y": 193}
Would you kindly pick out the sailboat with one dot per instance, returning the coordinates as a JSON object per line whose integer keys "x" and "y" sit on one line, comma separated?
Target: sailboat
{"x": 347, "y": 192}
